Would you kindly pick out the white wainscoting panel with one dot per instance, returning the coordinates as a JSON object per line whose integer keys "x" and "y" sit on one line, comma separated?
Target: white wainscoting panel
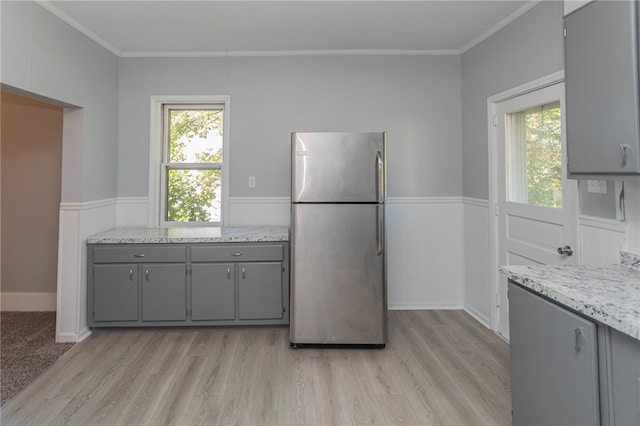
{"x": 77, "y": 222}
{"x": 477, "y": 260}
{"x": 600, "y": 240}
{"x": 425, "y": 255}
{"x": 131, "y": 211}
{"x": 259, "y": 211}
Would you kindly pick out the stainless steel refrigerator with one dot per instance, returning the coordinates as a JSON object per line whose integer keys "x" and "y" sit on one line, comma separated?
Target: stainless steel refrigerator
{"x": 338, "y": 271}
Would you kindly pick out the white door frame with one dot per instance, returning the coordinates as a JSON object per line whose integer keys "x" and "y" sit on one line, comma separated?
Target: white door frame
{"x": 492, "y": 101}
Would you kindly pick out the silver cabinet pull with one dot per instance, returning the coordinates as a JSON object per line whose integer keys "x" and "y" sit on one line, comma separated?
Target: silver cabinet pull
{"x": 146, "y": 274}
{"x": 579, "y": 339}
{"x": 131, "y": 274}
{"x": 139, "y": 255}
{"x": 565, "y": 251}
{"x": 243, "y": 275}
{"x": 625, "y": 149}
{"x": 228, "y": 273}
{"x": 236, "y": 254}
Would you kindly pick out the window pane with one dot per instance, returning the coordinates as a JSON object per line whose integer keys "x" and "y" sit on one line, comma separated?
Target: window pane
{"x": 535, "y": 156}
{"x": 194, "y": 195}
{"x": 195, "y": 136}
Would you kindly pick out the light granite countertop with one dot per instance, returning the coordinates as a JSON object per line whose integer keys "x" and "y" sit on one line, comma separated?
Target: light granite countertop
{"x": 185, "y": 235}
{"x": 609, "y": 294}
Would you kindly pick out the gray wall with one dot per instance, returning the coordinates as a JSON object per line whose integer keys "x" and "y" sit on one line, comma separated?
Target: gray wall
{"x": 416, "y": 99}
{"x": 528, "y": 48}
{"x": 43, "y": 57}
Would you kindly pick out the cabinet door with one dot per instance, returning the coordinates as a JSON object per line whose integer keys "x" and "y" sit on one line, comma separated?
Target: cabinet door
{"x": 213, "y": 291}
{"x": 602, "y": 88}
{"x": 164, "y": 293}
{"x": 260, "y": 290}
{"x": 625, "y": 380}
{"x": 554, "y": 369}
{"x": 115, "y": 292}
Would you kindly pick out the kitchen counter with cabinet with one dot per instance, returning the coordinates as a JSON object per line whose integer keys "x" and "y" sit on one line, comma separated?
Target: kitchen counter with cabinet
{"x": 140, "y": 277}
{"x": 609, "y": 294}
{"x": 575, "y": 348}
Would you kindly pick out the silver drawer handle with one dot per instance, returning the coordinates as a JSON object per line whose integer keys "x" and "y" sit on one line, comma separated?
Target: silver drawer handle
{"x": 579, "y": 332}
{"x": 139, "y": 255}
{"x": 624, "y": 148}
{"x": 236, "y": 254}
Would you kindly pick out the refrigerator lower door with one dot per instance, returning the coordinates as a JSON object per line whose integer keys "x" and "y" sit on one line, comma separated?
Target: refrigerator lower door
{"x": 338, "y": 287}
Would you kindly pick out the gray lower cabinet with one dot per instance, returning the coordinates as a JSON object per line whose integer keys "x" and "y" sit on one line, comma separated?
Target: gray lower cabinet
{"x": 164, "y": 292}
{"x": 260, "y": 291}
{"x": 554, "y": 363}
{"x": 624, "y": 379}
{"x": 213, "y": 291}
{"x": 240, "y": 283}
{"x": 191, "y": 284}
{"x": 115, "y": 293}
{"x": 132, "y": 284}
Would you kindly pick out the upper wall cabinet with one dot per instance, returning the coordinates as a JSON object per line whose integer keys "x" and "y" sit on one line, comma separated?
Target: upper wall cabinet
{"x": 601, "y": 71}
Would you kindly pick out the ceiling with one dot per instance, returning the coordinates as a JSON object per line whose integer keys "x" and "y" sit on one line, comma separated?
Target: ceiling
{"x": 211, "y": 28}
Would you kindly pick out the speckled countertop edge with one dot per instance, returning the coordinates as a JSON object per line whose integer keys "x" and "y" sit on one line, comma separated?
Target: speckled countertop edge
{"x": 609, "y": 294}
{"x": 185, "y": 235}
{"x": 630, "y": 259}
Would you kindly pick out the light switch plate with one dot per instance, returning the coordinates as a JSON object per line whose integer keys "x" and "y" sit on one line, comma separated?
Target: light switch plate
{"x": 252, "y": 181}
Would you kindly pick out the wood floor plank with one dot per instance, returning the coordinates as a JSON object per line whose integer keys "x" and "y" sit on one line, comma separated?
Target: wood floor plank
{"x": 175, "y": 400}
{"x": 221, "y": 347}
{"x": 145, "y": 401}
{"x": 439, "y": 368}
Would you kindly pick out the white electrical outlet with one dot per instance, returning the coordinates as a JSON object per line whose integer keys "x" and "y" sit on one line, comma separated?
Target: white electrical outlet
{"x": 597, "y": 186}
{"x": 252, "y": 181}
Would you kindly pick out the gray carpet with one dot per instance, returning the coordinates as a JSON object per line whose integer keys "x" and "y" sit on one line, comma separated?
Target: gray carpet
{"x": 27, "y": 349}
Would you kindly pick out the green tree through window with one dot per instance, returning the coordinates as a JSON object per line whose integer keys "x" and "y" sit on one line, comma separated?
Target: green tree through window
{"x": 194, "y": 166}
{"x": 544, "y": 156}
{"x": 535, "y": 156}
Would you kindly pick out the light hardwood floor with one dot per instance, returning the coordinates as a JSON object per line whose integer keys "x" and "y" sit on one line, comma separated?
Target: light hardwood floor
{"x": 439, "y": 368}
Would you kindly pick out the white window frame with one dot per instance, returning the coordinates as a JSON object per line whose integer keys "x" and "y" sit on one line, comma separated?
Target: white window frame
{"x": 156, "y": 156}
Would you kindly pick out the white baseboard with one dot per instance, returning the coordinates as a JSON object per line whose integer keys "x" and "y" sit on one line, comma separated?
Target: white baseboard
{"x": 28, "y": 302}
{"x": 418, "y": 306}
{"x": 478, "y": 316}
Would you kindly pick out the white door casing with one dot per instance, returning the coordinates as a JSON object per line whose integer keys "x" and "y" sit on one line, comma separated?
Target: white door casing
{"x": 522, "y": 233}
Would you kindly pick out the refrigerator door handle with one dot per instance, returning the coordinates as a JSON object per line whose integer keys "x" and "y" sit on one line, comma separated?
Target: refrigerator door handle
{"x": 380, "y": 230}
{"x": 379, "y": 177}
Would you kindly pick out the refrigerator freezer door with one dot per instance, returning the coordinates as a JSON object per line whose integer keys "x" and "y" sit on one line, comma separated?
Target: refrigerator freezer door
{"x": 338, "y": 167}
{"x": 338, "y": 288}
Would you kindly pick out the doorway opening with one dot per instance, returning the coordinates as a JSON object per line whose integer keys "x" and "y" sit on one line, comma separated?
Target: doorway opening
{"x": 534, "y": 204}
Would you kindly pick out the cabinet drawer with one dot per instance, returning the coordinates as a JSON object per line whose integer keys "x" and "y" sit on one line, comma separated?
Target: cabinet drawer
{"x": 139, "y": 254}
{"x": 237, "y": 253}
